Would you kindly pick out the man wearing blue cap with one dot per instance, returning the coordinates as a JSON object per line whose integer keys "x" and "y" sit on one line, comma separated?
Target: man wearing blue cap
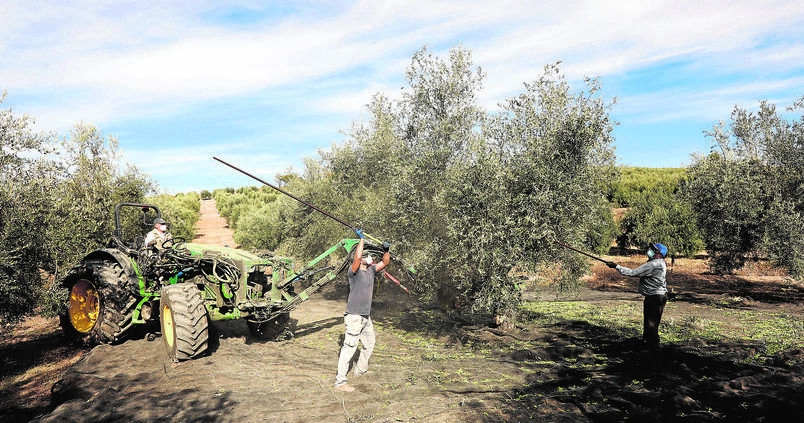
{"x": 653, "y": 285}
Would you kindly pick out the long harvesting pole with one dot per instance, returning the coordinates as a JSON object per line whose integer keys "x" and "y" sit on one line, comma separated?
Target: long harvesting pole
{"x": 579, "y": 251}
{"x": 297, "y": 199}
{"x": 286, "y": 193}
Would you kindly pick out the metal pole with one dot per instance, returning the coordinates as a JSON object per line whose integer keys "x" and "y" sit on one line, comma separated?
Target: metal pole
{"x": 579, "y": 251}
{"x": 288, "y": 194}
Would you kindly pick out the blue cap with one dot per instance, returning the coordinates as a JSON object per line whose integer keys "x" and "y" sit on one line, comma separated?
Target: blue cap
{"x": 659, "y": 248}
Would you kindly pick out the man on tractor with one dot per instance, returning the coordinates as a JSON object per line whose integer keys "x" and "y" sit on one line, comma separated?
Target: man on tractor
{"x": 358, "y": 309}
{"x": 158, "y": 234}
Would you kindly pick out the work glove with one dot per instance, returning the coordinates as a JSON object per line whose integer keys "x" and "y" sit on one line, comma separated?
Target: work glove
{"x": 359, "y": 233}
{"x": 611, "y": 264}
{"x": 386, "y": 247}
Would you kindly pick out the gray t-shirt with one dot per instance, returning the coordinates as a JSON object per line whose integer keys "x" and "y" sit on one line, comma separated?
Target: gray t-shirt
{"x": 361, "y": 289}
{"x": 651, "y": 275}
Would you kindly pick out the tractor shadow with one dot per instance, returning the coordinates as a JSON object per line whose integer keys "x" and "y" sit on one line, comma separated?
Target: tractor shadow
{"x": 231, "y": 329}
{"x": 134, "y": 398}
{"x": 317, "y": 326}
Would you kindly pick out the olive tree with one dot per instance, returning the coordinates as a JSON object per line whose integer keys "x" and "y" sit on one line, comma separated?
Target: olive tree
{"x": 260, "y": 227}
{"x": 532, "y": 177}
{"x": 748, "y": 194}
{"x": 87, "y": 192}
{"x": 180, "y": 211}
{"x": 468, "y": 195}
{"x": 56, "y": 204}
{"x": 602, "y": 228}
{"x": 26, "y": 183}
{"x": 387, "y": 174}
{"x": 661, "y": 217}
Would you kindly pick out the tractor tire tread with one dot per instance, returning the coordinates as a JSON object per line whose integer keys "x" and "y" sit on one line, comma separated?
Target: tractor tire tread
{"x": 190, "y": 319}
{"x": 117, "y": 303}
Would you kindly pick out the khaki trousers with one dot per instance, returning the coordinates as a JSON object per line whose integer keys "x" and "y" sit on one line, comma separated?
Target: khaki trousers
{"x": 358, "y": 328}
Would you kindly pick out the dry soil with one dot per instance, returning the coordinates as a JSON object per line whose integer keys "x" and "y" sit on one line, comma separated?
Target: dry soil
{"x": 430, "y": 366}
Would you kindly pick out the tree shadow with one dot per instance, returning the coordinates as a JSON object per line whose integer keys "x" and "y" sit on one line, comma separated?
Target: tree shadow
{"x": 610, "y": 378}
{"x": 88, "y": 397}
{"x": 19, "y": 356}
{"x": 18, "y": 364}
{"x": 580, "y": 371}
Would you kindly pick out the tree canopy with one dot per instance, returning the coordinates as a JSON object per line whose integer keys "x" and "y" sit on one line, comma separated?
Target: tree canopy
{"x": 56, "y": 204}
{"x": 469, "y": 195}
{"x": 748, "y": 193}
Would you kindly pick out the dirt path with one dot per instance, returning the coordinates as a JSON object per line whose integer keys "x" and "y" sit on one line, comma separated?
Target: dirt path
{"x": 211, "y": 228}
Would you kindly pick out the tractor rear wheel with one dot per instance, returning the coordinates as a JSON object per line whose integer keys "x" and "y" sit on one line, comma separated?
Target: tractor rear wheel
{"x": 184, "y": 321}
{"x": 100, "y": 304}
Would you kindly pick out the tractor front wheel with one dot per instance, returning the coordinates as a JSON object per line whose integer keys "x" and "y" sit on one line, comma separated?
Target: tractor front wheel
{"x": 184, "y": 321}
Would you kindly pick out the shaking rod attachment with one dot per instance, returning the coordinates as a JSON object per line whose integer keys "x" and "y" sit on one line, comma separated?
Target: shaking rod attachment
{"x": 287, "y": 193}
{"x": 297, "y": 199}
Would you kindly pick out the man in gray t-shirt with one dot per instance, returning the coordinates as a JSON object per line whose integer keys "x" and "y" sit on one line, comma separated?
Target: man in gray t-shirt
{"x": 358, "y": 309}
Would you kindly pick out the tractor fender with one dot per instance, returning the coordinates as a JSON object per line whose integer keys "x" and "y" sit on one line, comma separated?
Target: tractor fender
{"x": 111, "y": 254}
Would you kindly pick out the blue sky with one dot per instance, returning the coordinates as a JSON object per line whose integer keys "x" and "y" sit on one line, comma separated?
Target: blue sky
{"x": 264, "y": 84}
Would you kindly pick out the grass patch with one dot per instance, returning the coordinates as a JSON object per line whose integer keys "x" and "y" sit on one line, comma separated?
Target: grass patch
{"x": 772, "y": 331}
{"x": 622, "y": 321}
{"x": 778, "y": 331}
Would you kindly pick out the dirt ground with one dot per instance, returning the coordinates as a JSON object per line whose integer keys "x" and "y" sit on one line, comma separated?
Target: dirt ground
{"x": 428, "y": 366}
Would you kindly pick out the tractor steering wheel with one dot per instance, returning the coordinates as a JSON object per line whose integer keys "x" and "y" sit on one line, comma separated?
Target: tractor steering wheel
{"x": 171, "y": 243}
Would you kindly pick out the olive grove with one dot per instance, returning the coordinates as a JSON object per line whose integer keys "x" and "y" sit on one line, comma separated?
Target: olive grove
{"x": 666, "y": 218}
{"x": 748, "y": 194}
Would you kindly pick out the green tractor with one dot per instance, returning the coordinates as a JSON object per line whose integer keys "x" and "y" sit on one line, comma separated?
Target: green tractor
{"x": 183, "y": 285}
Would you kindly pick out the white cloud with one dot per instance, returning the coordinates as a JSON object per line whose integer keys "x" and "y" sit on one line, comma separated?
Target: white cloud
{"x": 351, "y": 103}
{"x": 115, "y": 61}
{"x": 182, "y": 57}
{"x": 182, "y": 169}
